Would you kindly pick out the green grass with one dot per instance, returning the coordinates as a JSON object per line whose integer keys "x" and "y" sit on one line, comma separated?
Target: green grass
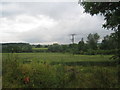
{"x": 50, "y": 57}
{"x": 39, "y": 48}
{"x": 56, "y": 70}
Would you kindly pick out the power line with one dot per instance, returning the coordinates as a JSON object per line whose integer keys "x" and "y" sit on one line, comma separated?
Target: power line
{"x": 73, "y": 38}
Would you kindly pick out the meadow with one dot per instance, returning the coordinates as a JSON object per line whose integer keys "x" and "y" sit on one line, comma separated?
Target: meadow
{"x": 58, "y": 70}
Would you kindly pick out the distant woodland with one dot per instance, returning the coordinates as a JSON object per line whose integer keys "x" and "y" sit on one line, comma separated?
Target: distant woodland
{"x": 90, "y": 47}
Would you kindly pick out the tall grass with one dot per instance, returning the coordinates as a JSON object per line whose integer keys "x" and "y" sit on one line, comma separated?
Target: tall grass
{"x": 43, "y": 74}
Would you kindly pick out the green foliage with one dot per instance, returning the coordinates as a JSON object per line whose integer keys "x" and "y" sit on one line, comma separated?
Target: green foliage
{"x": 103, "y": 78}
{"x": 58, "y": 48}
{"x": 45, "y": 75}
{"x": 55, "y": 48}
{"x": 101, "y": 52}
{"x": 10, "y": 71}
{"x": 109, "y": 10}
{"x": 111, "y": 13}
{"x": 109, "y": 42}
{"x": 92, "y": 41}
{"x": 82, "y": 46}
{"x": 16, "y": 47}
{"x": 73, "y": 48}
{"x": 38, "y": 46}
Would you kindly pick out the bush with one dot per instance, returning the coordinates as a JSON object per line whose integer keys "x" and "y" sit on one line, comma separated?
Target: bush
{"x": 11, "y": 72}
{"x": 101, "y": 52}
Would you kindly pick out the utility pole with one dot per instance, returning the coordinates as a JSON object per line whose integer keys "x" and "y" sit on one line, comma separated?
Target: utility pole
{"x": 73, "y": 38}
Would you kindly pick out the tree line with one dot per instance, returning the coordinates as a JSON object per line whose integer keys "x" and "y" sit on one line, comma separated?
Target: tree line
{"x": 90, "y": 47}
{"x": 111, "y": 13}
{"x": 16, "y": 47}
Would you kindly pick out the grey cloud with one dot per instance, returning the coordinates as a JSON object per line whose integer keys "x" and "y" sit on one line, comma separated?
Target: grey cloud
{"x": 70, "y": 18}
{"x": 61, "y": 32}
{"x": 56, "y": 10}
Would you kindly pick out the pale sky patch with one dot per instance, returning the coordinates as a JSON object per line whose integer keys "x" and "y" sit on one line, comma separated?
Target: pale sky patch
{"x": 47, "y": 22}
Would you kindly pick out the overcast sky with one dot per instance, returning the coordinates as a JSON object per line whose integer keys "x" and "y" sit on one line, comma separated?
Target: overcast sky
{"x": 47, "y": 22}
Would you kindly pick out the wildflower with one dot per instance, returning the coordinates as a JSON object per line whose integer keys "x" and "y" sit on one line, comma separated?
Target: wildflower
{"x": 26, "y": 80}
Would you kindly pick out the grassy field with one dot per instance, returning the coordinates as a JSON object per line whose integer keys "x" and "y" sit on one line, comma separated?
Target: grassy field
{"x": 57, "y": 70}
{"x": 39, "y": 48}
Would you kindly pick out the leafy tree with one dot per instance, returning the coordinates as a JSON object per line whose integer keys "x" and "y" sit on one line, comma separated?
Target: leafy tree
{"x": 111, "y": 13}
{"x": 38, "y": 46}
{"x": 108, "y": 42}
{"x": 73, "y": 48}
{"x": 92, "y": 40}
{"x": 55, "y": 48}
{"x": 110, "y": 10}
{"x": 16, "y": 47}
{"x": 81, "y": 46}
{"x": 104, "y": 44}
{"x": 46, "y": 46}
{"x": 65, "y": 48}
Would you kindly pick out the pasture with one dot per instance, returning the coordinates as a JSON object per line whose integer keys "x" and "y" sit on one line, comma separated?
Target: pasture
{"x": 59, "y": 70}
{"x": 39, "y": 49}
